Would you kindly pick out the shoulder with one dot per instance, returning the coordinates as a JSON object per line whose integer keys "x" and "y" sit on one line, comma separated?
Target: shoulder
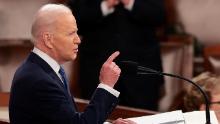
{"x": 28, "y": 74}
{"x": 28, "y": 70}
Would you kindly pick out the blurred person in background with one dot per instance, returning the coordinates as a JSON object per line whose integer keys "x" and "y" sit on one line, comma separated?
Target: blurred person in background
{"x": 130, "y": 27}
{"x": 191, "y": 99}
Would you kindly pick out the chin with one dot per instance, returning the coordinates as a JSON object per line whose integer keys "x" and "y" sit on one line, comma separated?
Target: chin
{"x": 74, "y": 57}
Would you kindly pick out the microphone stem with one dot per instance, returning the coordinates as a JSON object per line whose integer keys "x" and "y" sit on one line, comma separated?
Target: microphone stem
{"x": 200, "y": 89}
{"x": 144, "y": 71}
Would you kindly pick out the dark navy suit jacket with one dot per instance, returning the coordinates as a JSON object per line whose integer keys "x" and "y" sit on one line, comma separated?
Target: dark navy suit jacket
{"x": 39, "y": 97}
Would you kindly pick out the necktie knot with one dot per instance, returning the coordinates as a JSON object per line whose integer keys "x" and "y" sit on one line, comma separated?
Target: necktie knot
{"x": 61, "y": 71}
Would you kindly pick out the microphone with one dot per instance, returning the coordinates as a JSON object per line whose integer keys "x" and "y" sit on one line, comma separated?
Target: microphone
{"x": 132, "y": 68}
{"x": 129, "y": 68}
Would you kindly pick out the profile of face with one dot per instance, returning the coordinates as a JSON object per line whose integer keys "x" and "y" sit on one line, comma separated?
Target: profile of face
{"x": 54, "y": 32}
{"x": 65, "y": 38}
{"x": 210, "y": 83}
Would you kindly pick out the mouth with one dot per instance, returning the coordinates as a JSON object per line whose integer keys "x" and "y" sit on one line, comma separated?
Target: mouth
{"x": 75, "y": 50}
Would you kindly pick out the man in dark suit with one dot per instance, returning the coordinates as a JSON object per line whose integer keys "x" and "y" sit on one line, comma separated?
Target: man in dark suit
{"x": 127, "y": 26}
{"x": 40, "y": 94}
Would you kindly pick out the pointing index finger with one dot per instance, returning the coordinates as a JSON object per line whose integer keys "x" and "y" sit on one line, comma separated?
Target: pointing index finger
{"x": 112, "y": 57}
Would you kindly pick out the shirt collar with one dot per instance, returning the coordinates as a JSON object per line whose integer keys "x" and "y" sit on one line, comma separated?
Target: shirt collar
{"x": 53, "y": 64}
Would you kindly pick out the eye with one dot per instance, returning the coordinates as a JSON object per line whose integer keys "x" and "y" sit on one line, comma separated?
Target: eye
{"x": 72, "y": 33}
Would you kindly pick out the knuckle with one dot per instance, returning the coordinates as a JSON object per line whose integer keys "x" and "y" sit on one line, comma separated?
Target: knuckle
{"x": 105, "y": 65}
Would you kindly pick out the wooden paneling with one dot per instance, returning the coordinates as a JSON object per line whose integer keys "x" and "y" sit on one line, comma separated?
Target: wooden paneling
{"x": 119, "y": 111}
{"x": 1, "y": 122}
{"x": 4, "y": 99}
{"x": 214, "y": 52}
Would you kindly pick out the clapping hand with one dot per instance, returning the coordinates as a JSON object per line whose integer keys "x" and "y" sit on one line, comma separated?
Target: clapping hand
{"x": 112, "y": 3}
{"x": 125, "y": 2}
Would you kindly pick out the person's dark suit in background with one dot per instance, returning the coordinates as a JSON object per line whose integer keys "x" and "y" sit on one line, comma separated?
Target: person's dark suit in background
{"x": 39, "y": 94}
{"x": 127, "y": 26}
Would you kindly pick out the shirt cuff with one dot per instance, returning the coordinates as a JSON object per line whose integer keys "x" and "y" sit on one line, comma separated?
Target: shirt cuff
{"x": 105, "y": 10}
{"x": 109, "y": 89}
{"x": 130, "y": 5}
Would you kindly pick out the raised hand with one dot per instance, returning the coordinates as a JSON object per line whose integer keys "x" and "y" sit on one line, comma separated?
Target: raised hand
{"x": 110, "y": 72}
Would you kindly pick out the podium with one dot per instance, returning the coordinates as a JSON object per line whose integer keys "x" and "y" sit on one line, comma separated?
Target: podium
{"x": 176, "y": 117}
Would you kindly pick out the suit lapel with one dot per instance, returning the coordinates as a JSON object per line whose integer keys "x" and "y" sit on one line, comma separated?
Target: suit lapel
{"x": 45, "y": 66}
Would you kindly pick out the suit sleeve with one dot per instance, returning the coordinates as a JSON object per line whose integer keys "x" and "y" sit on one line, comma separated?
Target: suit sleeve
{"x": 54, "y": 105}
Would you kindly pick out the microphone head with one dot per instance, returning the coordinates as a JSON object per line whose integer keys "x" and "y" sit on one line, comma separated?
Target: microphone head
{"x": 128, "y": 68}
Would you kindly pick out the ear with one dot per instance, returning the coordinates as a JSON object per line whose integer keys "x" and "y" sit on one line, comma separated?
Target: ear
{"x": 202, "y": 107}
{"x": 47, "y": 38}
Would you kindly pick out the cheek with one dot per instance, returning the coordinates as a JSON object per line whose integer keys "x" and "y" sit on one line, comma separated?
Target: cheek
{"x": 59, "y": 42}
{"x": 68, "y": 44}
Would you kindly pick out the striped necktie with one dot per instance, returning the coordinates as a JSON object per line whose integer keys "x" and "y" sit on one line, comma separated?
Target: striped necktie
{"x": 64, "y": 78}
{"x": 65, "y": 82}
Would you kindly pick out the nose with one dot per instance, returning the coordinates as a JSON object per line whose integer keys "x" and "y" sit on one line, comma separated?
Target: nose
{"x": 78, "y": 40}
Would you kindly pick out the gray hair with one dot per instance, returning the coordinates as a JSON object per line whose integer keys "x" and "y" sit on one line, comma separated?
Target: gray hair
{"x": 46, "y": 16}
